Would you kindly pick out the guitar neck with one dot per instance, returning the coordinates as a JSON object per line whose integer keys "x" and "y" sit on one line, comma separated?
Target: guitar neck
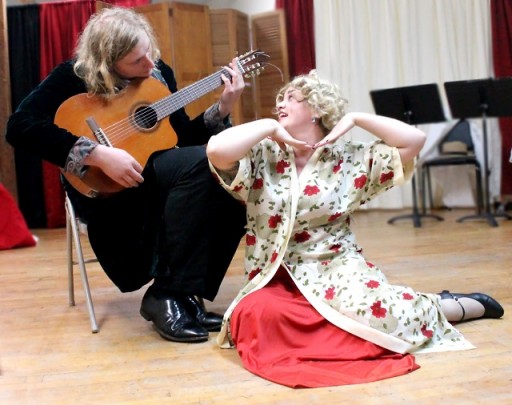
{"x": 185, "y": 96}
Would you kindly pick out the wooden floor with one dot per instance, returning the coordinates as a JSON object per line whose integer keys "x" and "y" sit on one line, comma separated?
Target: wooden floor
{"x": 48, "y": 354}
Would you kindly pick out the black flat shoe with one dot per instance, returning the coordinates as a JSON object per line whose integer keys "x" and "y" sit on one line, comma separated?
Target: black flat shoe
{"x": 209, "y": 320}
{"x": 171, "y": 319}
{"x": 492, "y": 307}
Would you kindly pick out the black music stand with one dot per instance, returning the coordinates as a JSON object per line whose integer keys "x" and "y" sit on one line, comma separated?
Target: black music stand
{"x": 481, "y": 98}
{"x": 414, "y": 105}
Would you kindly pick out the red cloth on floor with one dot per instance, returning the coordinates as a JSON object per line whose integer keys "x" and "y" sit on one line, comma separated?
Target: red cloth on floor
{"x": 282, "y": 338}
{"x": 13, "y": 228}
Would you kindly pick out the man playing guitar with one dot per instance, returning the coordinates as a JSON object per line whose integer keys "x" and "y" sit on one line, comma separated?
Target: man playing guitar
{"x": 162, "y": 217}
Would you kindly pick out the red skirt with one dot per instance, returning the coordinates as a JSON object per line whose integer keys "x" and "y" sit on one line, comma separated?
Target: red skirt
{"x": 282, "y": 338}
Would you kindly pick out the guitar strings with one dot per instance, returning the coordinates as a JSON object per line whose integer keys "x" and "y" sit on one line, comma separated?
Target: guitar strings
{"x": 118, "y": 130}
{"x": 163, "y": 107}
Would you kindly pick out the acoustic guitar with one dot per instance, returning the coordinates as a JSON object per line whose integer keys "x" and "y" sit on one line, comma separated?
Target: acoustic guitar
{"x": 133, "y": 120}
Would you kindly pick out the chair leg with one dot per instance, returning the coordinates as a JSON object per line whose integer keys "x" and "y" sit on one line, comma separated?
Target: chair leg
{"x": 429, "y": 188}
{"x": 81, "y": 264}
{"x": 423, "y": 190}
{"x": 426, "y": 189}
{"x": 479, "y": 191}
{"x": 69, "y": 243}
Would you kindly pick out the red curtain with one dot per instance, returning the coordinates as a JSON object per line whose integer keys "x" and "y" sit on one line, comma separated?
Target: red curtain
{"x": 501, "y": 21}
{"x": 60, "y": 25}
{"x": 301, "y": 34}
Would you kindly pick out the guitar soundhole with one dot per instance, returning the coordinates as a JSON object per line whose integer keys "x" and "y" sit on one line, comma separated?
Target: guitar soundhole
{"x": 145, "y": 118}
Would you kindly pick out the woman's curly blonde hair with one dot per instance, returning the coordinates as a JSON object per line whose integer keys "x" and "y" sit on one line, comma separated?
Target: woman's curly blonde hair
{"x": 322, "y": 96}
{"x": 109, "y": 36}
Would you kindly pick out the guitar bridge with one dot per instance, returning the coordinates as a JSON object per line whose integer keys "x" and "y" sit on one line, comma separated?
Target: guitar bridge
{"x": 98, "y": 132}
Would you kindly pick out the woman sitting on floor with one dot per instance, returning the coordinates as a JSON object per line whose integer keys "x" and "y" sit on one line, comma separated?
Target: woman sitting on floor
{"x": 314, "y": 311}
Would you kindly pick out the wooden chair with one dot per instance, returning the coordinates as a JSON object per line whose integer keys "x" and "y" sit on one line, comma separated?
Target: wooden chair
{"x": 74, "y": 230}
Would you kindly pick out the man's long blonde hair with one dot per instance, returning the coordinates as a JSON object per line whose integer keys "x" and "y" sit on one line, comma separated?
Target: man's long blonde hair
{"x": 109, "y": 36}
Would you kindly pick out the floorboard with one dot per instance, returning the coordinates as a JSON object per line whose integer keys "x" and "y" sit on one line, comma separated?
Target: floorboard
{"x": 48, "y": 354}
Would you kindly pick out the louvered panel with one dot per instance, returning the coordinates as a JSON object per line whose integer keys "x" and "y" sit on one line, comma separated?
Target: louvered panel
{"x": 230, "y": 37}
{"x": 269, "y": 35}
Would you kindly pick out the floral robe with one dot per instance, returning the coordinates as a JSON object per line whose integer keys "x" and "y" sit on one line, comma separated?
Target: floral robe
{"x": 303, "y": 224}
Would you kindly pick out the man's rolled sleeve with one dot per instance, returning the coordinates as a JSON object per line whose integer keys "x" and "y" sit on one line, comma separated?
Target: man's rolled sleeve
{"x": 213, "y": 121}
{"x": 80, "y": 150}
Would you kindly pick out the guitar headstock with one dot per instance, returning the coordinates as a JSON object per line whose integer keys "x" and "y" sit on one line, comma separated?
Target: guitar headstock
{"x": 252, "y": 63}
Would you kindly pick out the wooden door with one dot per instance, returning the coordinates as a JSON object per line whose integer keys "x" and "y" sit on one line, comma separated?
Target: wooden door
{"x": 269, "y": 35}
{"x": 183, "y": 32}
{"x": 158, "y": 16}
{"x": 230, "y": 38}
{"x": 191, "y": 50}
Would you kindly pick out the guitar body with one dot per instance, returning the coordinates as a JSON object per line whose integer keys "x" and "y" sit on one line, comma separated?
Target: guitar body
{"x": 117, "y": 118}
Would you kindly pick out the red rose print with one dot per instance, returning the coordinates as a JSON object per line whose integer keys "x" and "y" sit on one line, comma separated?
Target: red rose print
{"x": 274, "y": 257}
{"x": 360, "y": 181}
{"x": 337, "y": 168}
{"x": 258, "y": 183}
{"x": 335, "y": 248}
{"x": 325, "y": 263}
{"x": 301, "y": 237}
{"x": 238, "y": 188}
{"x": 274, "y": 220}
{"x": 372, "y": 284}
{"x": 250, "y": 240}
{"x": 334, "y": 217}
{"x": 281, "y": 166}
{"x": 427, "y": 333}
{"x": 386, "y": 177}
{"x": 329, "y": 293}
{"x": 407, "y": 296}
{"x": 370, "y": 265}
{"x": 254, "y": 273}
{"x": 311, "y": 190}
{"x": 377, "y": 310}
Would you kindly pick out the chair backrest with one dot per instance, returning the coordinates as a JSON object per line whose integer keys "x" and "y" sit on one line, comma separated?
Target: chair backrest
{"x": 457, "y": 140}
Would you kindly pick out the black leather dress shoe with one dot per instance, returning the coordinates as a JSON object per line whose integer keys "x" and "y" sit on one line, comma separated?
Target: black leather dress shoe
{"x": 171, "y": 319}
{"x": 492, "y": 307}
{"x": 209, "y": 320}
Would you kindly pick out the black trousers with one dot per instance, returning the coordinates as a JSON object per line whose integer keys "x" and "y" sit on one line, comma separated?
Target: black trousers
{"x": 179, "y": 227}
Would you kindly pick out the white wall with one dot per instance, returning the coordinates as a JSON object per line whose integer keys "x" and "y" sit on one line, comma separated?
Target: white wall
{"x": 245, "y": 6}
{"x": 202, "y": 2}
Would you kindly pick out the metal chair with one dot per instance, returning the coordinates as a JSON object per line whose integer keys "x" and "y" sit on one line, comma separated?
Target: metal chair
{"x": 74, "y": 229}
{"x": 456, "y": 148}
